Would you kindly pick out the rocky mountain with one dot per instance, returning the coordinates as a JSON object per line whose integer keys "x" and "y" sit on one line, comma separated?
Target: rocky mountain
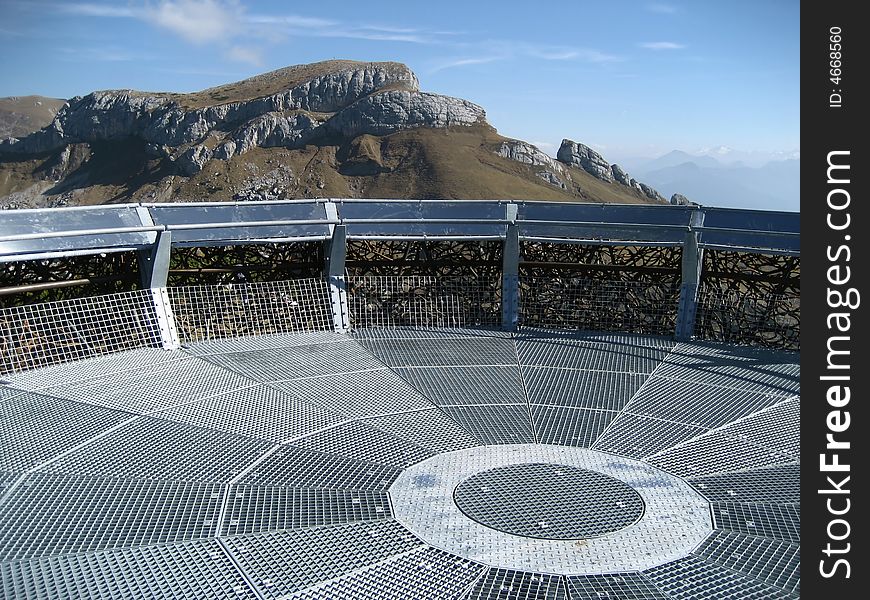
{"x": 330, "y": 129}
{"x": 22, "y": 115}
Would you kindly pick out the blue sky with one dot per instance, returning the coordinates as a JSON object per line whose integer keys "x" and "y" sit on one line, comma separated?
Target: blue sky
{"x": 632, "y": 78}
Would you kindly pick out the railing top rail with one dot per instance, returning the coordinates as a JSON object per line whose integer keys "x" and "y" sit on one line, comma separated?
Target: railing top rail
{"x": 34, "y": 233}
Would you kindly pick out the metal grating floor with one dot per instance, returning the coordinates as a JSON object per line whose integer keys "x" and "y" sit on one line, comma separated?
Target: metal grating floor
{"x": 262, "y": 467}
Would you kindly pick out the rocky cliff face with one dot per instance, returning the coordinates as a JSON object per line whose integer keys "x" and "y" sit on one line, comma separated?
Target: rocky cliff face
{"x": 584, "y": 157}
{"x": 337, "y": 128}
{"x": 375, "y": 98}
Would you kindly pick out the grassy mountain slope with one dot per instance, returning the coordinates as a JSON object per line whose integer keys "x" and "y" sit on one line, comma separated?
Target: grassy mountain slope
{"x": 22, "y": 115}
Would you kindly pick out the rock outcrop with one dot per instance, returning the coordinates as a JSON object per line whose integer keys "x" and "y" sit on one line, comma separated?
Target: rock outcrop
{"x": 373, "y": 98}
{"x": 395, "y": 110}
{"x": 523, "y": 152}
{"x": 579, "y": 155}
{"x": 680, "y": 200}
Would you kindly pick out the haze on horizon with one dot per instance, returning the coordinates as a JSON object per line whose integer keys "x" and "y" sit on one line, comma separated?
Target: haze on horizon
{"x": 633, "y": 79}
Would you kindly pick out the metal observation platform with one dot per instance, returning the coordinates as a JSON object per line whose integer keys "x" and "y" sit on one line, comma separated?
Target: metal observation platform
{"x": 570, "y": 402}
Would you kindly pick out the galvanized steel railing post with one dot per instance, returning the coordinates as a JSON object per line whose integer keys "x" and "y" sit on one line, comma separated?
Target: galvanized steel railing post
{"x": 154, "y": 272}
{"x": 336, "y": 253}
{"x": 154, "y": 262}
{"x": 510, "y": 273}
{"x": 693, "y": 260}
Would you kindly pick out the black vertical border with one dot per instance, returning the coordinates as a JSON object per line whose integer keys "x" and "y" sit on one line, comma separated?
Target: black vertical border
{"x": 825, "y": 129}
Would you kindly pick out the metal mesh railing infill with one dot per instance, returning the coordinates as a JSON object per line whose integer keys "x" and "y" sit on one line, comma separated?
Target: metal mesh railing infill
{"x": 749, "y": 317}
{"x": 55, "y": 332}
{"x": 597, "y": 304}
{"x": 423, "y": 301}
{"x": 211, "y": 312}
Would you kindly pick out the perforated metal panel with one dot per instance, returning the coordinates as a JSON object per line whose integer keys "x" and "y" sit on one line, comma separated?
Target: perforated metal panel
{"x": 35, "y": 428}
{"x": 503, "y": 583}
{"x": 554, "y": 502}
{"x": 775, "y": 521}
{"x": 363, "y": 442}
{"x": 188, "y": 570}
{"x": 254, "y": 509}
{"x": 50, "y": 515}
{"x": 260, "y": 412}
{"x": 297, "y": 467}
{"x": 773, "y": 562}
{"x": 573, "y": 388}
{"x": 779, "y": 485}
{"x": 284, "y": 562}
{"x": 638, "y": 437}
{"x": 621, "y": 586}
{"x": 570, "y": 426}
{"x": 696, "y": 579}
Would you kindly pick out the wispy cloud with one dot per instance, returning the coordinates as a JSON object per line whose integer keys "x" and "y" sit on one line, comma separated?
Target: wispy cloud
{"x": 196, "y": 21}
{"x": 662, "y": 46}
{"x": 565, "y": 53}
{"x": 495, "y": 50}
{"x": 658, "y": 7}
{"x": 464, "y": 62}
{"x": 100, "y": 54}
{"x": 246, "y": 54}
{"x": 291, "y": 21}
{"x": 299, "y": 25}
{"x": 98, "y": 10}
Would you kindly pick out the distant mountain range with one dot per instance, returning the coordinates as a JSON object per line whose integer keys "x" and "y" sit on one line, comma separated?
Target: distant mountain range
{"x": 725, "y": 177}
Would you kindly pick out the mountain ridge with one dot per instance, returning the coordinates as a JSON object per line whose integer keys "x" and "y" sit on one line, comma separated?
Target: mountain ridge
{"x": 337, "y": 128}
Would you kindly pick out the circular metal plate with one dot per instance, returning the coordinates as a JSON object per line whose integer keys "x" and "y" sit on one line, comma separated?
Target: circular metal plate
{"x": 547, "y": 501}
{"x": 675, "y": 519}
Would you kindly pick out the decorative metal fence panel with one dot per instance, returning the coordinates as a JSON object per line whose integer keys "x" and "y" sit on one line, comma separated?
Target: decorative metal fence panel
{"x": 748, "y": 298}
{"x": 597, "y": 304}
{"x": 209, "y": 312}
{"x": 424, "y": 301}
{"x": 750, "y": 318}
{"x": 600, "y": 287}
{"x": 72, "y": 276}
{"x": 245, "y": 263}
{"x": 55, "y": 332}
{"x": 473, "y": 259}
